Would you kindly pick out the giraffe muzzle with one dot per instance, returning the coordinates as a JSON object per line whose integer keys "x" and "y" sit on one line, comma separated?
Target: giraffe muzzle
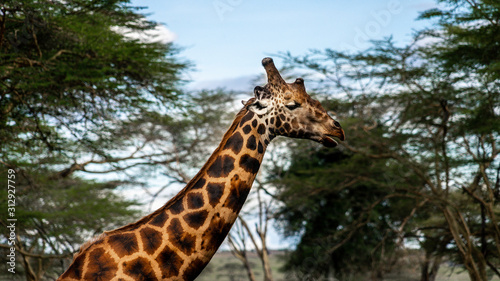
{"x": 334, "y": 138}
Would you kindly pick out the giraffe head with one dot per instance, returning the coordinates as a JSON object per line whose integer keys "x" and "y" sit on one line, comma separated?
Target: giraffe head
{"x": 291, "y": 111}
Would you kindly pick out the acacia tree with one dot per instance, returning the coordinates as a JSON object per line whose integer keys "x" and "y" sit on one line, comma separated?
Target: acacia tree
{"x": 56, "y": 214}
{"x": 79, "y": 98}
{"x": 70, "y": 81}
{"x": 438, "y": 104}
{"x": 348, "y": 213}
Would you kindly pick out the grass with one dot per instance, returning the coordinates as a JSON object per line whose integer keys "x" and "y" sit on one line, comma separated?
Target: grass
{"x": 225, "y": 267}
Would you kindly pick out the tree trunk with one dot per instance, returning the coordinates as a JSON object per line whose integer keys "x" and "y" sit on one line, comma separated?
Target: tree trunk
{"x": 249, "y": 270}
{"x": 30, "y": 273}
{"x": 376, "y": 275}
{"x": 472, "y": 258}
{"x": 430, "y": 275}
{"x": 265, "y": 265}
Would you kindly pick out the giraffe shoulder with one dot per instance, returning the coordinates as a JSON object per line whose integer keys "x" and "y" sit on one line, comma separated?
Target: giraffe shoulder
{"x": 85, "y": 246}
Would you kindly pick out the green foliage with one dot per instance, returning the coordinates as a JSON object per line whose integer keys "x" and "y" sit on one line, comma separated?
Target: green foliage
{"x": 429, "y": 110}
{"x": 68, "y": 74}
{"x": 67, "y": 208}
{"x": 78, "y": 94}
{"x": 470, "y": 31}
{"x": 345, "y": 207}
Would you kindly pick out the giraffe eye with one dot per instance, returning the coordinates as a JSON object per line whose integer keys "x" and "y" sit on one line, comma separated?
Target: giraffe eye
{"x": 293, "y": 105}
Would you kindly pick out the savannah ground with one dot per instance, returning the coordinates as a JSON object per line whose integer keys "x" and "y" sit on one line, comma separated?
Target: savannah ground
{"x": 224, "y": 267}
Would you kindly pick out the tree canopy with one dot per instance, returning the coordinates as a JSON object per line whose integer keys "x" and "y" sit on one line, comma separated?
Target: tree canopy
{"x": 426, "y": 117}
{"x": 70, "y": 80}
{"x": 80, "y": 96}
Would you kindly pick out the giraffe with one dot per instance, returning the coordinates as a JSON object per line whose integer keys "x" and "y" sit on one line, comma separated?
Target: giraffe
{"x": 178, "y": 240}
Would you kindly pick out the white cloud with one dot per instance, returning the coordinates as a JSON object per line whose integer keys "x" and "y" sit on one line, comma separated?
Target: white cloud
{"x": 159, "y": 34}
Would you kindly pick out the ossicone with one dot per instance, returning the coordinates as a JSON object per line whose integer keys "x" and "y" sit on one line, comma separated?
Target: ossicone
{"x": 273, "y": 76}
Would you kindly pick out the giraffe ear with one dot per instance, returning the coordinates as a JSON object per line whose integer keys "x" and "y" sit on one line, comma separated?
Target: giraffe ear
{"x": 261, "y": 93}
{"x": 260, "y": 105}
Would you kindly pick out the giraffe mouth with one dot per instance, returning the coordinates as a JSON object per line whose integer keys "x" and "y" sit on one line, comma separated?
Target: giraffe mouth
{"x": 330, "y": 141}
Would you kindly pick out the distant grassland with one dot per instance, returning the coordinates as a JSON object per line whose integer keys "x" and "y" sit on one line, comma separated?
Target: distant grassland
{"x": 225, "y": 267}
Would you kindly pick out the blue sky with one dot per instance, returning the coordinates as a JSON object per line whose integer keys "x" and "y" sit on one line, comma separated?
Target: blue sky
{"x": 226, "y": 39}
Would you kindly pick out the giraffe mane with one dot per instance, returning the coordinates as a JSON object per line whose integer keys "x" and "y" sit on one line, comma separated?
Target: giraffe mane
{"x": 89, "y": 243}
{"x": 179, "y": 195}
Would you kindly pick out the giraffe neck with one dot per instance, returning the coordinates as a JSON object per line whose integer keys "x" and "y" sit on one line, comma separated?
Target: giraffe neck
{"x": 178, "y": 240}
{"x": 199, "y": 218}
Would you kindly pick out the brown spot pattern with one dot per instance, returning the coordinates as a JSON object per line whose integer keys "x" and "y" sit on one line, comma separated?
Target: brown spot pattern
{"x": 76, "y": 269}
{"x": 194, "y": 269}
{"x": 199, "y": 184}
{"x": 195, "y": 200}
{"x": 177, "y": 206}
{"x": 235, "y": 142}
{"x": 159, "y": 219}
{"x": 247, "y": 129}
{"x": 100, "y": 266}
{"x": 215, "y": 191}
{"x": 215, "y": 233}
{"x": 251, "y": 143}
{"x": 278, "y": 123}
{"x": 221, "y": 167}
{"x": 123, "y": 244}
{"x": 247, "y": 117}
{"x": 196, "y": 219}
{"x": 262, "y": 129}
{"x": 249, "y": 163}
{"x": 151, "y": 239}
{"x": 238, "y": 194}
{"x": 140, "y": 269}
{"x": 180, "y": 238}
{"x": 169, "y": 263}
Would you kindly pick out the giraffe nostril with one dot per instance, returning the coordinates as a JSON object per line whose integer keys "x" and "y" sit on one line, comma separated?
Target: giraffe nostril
{"x": 337, "y": 124}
